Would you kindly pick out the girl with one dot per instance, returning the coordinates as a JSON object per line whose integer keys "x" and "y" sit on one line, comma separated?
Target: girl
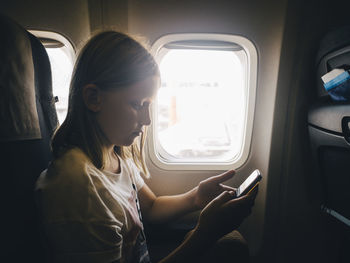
{"x": 89, "y": 194}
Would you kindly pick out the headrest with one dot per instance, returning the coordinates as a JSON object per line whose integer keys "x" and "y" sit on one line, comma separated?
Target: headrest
{"x": 43, "y": 86}
{"x": 18, "y": 112}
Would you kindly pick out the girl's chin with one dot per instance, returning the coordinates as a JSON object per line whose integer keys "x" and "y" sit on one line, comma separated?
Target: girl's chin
{"x": 130, "y": 140}
{"x": 126, "y": 141}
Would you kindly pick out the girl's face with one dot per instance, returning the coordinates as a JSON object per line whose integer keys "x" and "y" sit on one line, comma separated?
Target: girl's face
{"x": 123, "y": 113}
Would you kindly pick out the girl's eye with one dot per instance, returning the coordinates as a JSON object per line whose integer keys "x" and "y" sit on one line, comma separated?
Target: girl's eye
{"x": 136, "y": 105}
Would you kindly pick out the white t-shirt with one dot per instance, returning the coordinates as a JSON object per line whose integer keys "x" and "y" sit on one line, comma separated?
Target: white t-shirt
{"x": 89, "y": 215}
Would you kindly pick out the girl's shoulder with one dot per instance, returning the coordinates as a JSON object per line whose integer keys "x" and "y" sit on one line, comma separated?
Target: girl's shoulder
{"x": 71, "y": 168}
{"x": 71, "y": 161}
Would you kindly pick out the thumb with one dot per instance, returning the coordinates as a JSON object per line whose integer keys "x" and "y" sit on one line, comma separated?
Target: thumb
{"x": 222, "y": 177}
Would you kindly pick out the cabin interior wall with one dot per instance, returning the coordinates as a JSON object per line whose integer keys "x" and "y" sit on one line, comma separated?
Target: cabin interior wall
{"x": 69, "y": 18}
{"x": 260, "y": 21}
{"x": 108, "y": 15}
{"x": 289, "y": 212}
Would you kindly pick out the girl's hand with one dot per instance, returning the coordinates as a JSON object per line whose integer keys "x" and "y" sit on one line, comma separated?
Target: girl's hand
{"x": 210, "y": 188}
{"x": 224, "y": 214}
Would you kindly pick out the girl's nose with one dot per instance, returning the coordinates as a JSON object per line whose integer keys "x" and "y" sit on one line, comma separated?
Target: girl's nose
{"x": 146, "y": 117}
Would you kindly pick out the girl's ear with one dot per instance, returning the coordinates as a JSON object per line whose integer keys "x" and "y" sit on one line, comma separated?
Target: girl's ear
{"x": 92, "y": 97}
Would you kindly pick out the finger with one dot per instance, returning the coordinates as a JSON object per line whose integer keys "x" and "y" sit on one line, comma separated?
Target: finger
{"x": 241, "y": 201}
{"x": 223, "y": 198}
{"x": 244, "y": 200}
{"x": 222, "y": 177}
{"x": 228, "y": 188}
{"x": 240, "y": 207}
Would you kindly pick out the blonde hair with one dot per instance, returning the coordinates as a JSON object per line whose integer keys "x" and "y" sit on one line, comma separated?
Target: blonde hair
{"x": 110, "y": 60}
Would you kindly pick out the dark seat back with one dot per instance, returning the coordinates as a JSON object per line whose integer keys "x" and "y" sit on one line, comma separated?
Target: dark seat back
{"x": 28, "y": 119}
{"x": 329, "y": 131}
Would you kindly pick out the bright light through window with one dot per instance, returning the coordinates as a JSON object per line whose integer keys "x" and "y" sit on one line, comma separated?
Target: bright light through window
{"x": 61, "y": 69}
{"x": 201, "y": 105}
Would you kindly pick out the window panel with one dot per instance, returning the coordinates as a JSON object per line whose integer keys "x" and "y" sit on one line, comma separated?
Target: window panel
{"x": 203, "y": 115}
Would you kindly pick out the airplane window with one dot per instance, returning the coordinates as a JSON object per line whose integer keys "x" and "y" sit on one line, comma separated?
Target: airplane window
{"x": 201, "y": 104}
{"x": 200, "y": 116}
{"x": 61, "y": 67}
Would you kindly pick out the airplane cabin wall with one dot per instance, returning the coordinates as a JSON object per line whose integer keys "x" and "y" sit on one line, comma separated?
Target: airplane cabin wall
{"x": 69, "y": 18}
{"x": 260, "y": 21}
{"x": 290, "y": 230}
{"x": 76, "y": 20}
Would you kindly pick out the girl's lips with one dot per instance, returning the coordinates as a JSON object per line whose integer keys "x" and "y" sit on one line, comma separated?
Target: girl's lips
{"x": 137, "y": 133}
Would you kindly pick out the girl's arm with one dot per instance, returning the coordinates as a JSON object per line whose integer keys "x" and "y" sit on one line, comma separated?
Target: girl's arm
{"x": 164, "y": 208}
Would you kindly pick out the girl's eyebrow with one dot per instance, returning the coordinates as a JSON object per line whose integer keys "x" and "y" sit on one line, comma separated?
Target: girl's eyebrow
{"x": 144, "y": 98}
{"x": 143, "y": 102}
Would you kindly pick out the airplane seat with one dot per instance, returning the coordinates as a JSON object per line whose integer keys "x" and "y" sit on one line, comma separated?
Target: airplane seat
{"x": 329, "y": 132}
{"x": 28, "y": 119}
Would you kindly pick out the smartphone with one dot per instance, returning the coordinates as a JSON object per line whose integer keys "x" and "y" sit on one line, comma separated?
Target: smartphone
{"x": 249, "y": 184}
